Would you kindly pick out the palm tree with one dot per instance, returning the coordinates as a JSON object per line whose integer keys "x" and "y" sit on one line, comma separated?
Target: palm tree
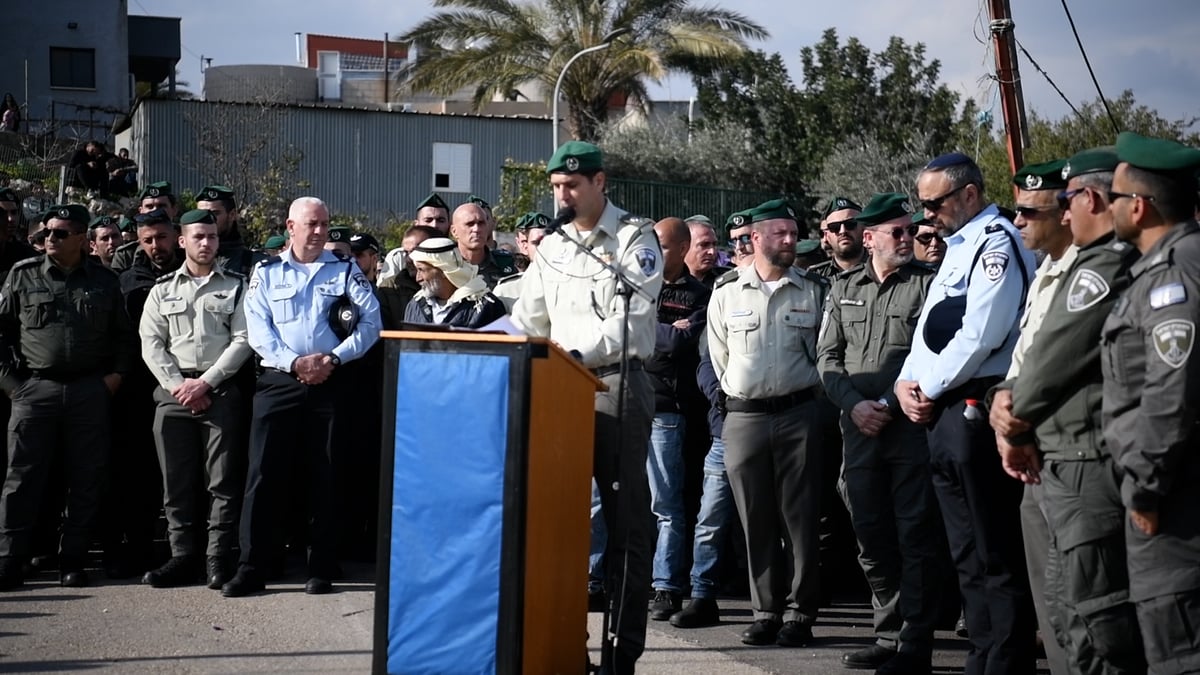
{"x": 498, "y": 45}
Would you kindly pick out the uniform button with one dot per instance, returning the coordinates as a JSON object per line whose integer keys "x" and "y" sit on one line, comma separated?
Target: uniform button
{"x": 1079, "y": 453}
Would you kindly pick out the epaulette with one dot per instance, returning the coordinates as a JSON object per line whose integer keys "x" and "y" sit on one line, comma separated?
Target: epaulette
{"x": 166, "y": 277}
{"x": 853, "y": 270}
{"x": 820, "y": 279}
{"x": 270, "y": 260}
{"x": 233, "y": 273}
{"x": 993, "y": 228}
{"x": 511, "y": 277}
{"x": 28, "y": 262}
{"x": 1161, "y": 258}
{"x": 725, "y": 278}
{"x": 128, "y": 245}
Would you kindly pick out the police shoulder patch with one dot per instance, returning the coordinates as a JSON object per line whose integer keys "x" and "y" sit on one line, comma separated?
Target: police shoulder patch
{"x": 647, "y": 260}
{"x": 361, "y": 279}
{"x": 994, "y": 264}
{"x": 1087, "y": 288}
{"x": 1167, "y": 295}
{"x": 1173, "y": 340}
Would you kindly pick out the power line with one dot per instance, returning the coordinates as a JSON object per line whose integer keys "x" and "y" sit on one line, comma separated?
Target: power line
{"x": 1088, "y": 63}
{"x": 1047, "y": 76}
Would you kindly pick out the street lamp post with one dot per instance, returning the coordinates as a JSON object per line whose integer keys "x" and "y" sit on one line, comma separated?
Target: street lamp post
{"x": 608, "y": 40}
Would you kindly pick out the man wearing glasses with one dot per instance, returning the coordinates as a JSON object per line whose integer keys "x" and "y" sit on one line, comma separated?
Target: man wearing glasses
{"x": 928, "y": 246}
{"x": 68, "y": 344}
{"x": 963, "y": 345}
{"x": 12, "y": 251}
{"x": 841, "y": 233}
{"x": 1150, "y": 382}
{"x": 868, "y": 328}
{"x": 737, "y": 226}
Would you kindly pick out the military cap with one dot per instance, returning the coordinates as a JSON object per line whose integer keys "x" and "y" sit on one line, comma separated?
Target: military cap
{"x": 576, "y": 157}
{"x": 1092, "y": 160}
{"x": 155, "y": 190}
{"x": 480, "y": 202}
{"x": 212, "y": 193}
{"x": 839, "y": 204}
{"x": 772, "y": 209}
{"x": 1156, "y": 154}
{"x": 698, "y": 218}
{"x": 275, "y": 241}
{"x": 533, "y": 221}
{"x": 152, "y": 217}
{"x": 806, "y": 246}
{"x": 126, "y": 224}
{"x": 362, "y": 241}
{"x": 948, "y": 160}
{"x": 101, "y": 221}
{"x": 885, "y": 206}
{"x": 340, "y": 233}
{"x": 918, "y": 218}
{"x": 1044, "y": 176}
{"x": 76, "y": 213}
{"x": 434, "y": 200}
{"x": 7, "y": 195}
{"x": 737, "y": 219}
{"x": 197, "y": 216}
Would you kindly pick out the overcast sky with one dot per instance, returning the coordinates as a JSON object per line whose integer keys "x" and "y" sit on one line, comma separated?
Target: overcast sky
{"x": 1150, "y": 46}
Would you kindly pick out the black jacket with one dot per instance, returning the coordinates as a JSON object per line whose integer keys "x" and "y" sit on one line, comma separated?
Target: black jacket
{"x": 676, "y": 351}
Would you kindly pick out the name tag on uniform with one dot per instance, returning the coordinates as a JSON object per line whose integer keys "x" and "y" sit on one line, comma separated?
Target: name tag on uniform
{"x": 740, "y": 313}
{"x": 849, "y": 301}
{"x": 282, "y": 286}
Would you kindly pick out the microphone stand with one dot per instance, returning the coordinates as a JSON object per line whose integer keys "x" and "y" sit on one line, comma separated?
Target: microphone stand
{"x": 625, "y": 289}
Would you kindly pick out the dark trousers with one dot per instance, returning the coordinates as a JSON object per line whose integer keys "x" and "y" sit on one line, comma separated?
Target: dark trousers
{"x": 619, "y": 454}
{"x": 202, "y": 471}
{"x": 773, "y": 461}
{"x": 133, "y": 498}
{"x": 1036, "y": 536}
{"x": 55, "y": 422}
{"x": 980, "y": 507}
{"x": 291, "y": 435}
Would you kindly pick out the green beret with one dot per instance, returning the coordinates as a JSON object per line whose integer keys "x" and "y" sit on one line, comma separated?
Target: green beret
{"x": 576, "y": 157}
{"x": 533, "y": 221}
{"x": 771, "y": 210}
{"x": 340, "y": 233}
{"x": 737, "y": 219}
{"x": 102, "y": 221}
{"x": 1156, "y": 154}
{"x": 275, "y": 241}
{"x": 197, "y": 216}
{"x": 434, "y": 200}
{"x": 126, "y": 224}
{"x": 919, "y": 218}
{"x": 7, "y": 195}
{"x": 839, "y": 204}
{"x": 212, "y": 193}
{"x": 76, "y": 213}
{"x": 885, "y": 206}
{"x": 155, "y": 190}
{"x": 156, "y": 217}
{"x": 480, "y": 202}
{"x": 698, "y": 218}
{"x": 1092, "y": 160}
{"x": 1044, "y": 176}
{"x": 806, "y": 246}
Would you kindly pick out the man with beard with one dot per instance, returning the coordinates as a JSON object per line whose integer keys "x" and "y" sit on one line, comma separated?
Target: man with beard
{"x": 405, "y": 279}
{"x": 886, "y": 484}
{"x": 762, "y": 330}
{"x": 434, "y": 213}
{"x": 452, "y": 292}
{"x": 472, "y": 228}
{"x": 193, "y": 334}
{"x": 154, "y": 197}
{"x": 233, "y": 254}
{"x": 928, "y": 246}
{"x": 701, "y": 258}
{"x": 840, "y": 232}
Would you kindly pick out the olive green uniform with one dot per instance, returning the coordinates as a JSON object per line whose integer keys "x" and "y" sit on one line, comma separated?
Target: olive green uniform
{"x": 495, "y": 266}
{"x": 1150, "y": 416}
{"x": 63, "y": 330}
{"x": 886, "y": 483}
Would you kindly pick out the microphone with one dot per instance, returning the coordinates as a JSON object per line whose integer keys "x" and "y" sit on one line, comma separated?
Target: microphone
{"x": 565, "y": 215}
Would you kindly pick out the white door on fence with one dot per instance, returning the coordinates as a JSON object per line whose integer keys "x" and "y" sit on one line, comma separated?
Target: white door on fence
{"x": 329, "y": 76}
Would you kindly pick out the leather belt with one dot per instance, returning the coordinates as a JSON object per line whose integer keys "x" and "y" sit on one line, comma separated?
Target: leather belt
{"x": 191, "y": 374}
{"x": 770, "y": 405}
{"x": 605, "y": 371}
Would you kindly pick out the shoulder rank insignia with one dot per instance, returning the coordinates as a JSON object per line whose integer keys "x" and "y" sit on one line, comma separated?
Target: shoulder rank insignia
{"x": 1087, "y": 288}
{"x": 993, "y": 228}
{"x": 1173, "y": 341}
{"x": 1165, "y": 296}
{"x": 726, "y": 278}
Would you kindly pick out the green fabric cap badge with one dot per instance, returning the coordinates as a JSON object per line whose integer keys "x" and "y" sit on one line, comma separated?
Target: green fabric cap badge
{"x": 340, "y": 233}
{"x": 737, "y": 219}
{"x": 806, "y": 246}
{"x": 212, "y": 193}
{"x": 76, "y": 213}
{"x": 533, "y": 221}
{"x": 434, "y": 200}
{"x": 155, "y": 190}
{"x": 480, "y": 202}
{"x": 275, "y": 241}
{"x": 197, "y": 216}
{"x": 576, "y": 157}
{"x": 839, "y": 204}
{"x": 1044, "y": 176}
{"x": 771, "y": 210}
{"x": 1156, "y": 154}
{"x": 101, "y": 221}
{"x": 885, "y": 206}
{"x": 1092, "y": 160}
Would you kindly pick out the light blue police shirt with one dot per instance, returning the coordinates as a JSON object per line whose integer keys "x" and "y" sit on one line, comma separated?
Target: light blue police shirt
{"x": 287, "y": 309}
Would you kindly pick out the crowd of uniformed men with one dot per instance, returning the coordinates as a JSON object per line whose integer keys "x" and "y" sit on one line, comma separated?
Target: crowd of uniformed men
{"x": 1029, "y": 426}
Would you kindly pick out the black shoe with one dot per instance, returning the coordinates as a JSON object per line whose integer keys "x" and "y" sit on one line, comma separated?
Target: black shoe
{"x": 181, "y": 570}
{"x": 960, "y": 628}
{"x": 700, "y": 612}
{"x": 664, "y": 604}
{"x": 597, "y": 601}
{"x": 868, "y": 659}
{"x": 905, "y": 663}
{"x": 73, "y": 579}
{"x": 761, "y": 632}
{"x": 245, "y": 582}
{"x": 794, "y": 634}
{"x": 11, "y": 574}
{"x": 318, "y": 586}
{"x": 218, "y": 572}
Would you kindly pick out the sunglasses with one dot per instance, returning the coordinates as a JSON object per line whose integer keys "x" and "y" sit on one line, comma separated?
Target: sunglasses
{"x": 1029, "y": 212}
{"x": 1114, "y": 196}
{"x": 741, "y": 240}
{"x": 899, "y": 231}
{"x": 927, "y": 238}
{"x": 59, "y": 233}
{"x": 934, "y": 205}
{"x": 1064, "y": 198}
{"x": 836, "y": 228}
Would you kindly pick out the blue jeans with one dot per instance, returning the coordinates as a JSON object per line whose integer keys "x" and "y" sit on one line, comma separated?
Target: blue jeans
{"x": 598, "y": 542}
{"x": 717, "y": 511}
{"x": 664, "y": 468}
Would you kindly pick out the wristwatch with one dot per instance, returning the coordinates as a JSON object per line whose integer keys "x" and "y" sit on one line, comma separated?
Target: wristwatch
{"x": 335, "y": 360}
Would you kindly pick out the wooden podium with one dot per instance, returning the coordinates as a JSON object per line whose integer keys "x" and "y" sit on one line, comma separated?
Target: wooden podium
{"x": 485, "y": 485}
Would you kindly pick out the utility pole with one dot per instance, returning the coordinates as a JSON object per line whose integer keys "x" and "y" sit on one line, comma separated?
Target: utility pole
{"x": 1011, "y": 98}
{"x": 386, "y": 75}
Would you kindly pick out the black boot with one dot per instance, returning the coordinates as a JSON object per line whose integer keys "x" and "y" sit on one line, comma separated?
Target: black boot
{"x": 181, "y": 570}
{"x": 220, "y": 571}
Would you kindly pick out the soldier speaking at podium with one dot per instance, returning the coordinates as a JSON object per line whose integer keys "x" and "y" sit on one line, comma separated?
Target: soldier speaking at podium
{"x": 571, "y": 298}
